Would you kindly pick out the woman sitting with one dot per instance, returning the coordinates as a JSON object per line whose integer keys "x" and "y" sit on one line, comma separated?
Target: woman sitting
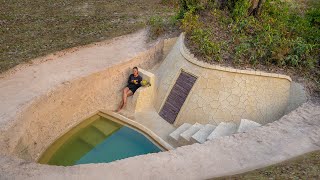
{"x": 133, "y": 84}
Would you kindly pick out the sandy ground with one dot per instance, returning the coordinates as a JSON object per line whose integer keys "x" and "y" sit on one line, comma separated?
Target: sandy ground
{"x": 23, "y": 84}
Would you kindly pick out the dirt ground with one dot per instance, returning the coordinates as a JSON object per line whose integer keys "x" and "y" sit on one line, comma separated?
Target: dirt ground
{"x": 306, "y": 166}
{"x": 29, "y": 29}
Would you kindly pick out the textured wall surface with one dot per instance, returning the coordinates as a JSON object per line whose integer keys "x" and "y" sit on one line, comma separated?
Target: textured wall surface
{"x": 220, "y": 93}
{"x": 65, "y": 106}
{"x": 297, "y": 97}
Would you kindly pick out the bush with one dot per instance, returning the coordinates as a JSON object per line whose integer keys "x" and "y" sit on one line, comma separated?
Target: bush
{"x": 157, "y": 26}
{"x": 193, "y": 6}
{"x": 160, "y": 25}
{"x": 190, "y": 22}
{"x": 240, "y": 10}
{"x": 279, "y": 36}
{"x": 211, "y": 50}
{"x": 300, "y": 54}
{"x": 313, "y": 14}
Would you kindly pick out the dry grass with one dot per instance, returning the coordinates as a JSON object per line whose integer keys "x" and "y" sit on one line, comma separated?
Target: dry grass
{"x": 304, "y": 167}
{"x": 29, "y": 29}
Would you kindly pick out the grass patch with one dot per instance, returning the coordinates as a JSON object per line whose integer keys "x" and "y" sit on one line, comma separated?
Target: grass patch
{"x": 161, "y": 26}
{"x": 30, "y": 29}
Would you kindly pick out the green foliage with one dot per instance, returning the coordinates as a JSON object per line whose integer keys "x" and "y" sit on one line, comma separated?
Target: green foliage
{"x": 224, "y": 20}
{"x": 190, "y": 22}
{"x": 313, "y": 16}
{"x": 199, "y": 36}
{"x": 157, "y": 26}
{"x": 208, "y": 48}
{"x": 160, "y": 25}
{"x": 240, "y": 10}
{"x": 190, "y": 6}
{"x": 174, "y": 20}
{"x": 300, "y": 53}
{"x": 193, "y": 4}
{"x": 279, "y": 36}
{"x": 284, "y": 34}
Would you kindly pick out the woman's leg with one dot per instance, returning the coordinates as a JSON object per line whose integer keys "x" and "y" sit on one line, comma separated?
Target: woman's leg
{"x": 129, "y": 93}
{"x": 124, "y": 96}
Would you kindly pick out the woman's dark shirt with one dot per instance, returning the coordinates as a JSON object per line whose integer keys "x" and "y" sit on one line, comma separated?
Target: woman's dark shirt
{"x": 131, "y": 85}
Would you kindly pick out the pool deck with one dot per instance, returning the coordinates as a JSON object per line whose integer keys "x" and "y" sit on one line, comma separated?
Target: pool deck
{"x": 157, "y": 124}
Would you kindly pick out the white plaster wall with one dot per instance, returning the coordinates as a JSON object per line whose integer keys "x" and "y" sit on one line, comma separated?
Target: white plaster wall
{"x": 220, "y": 93}
{"x": 297, "y": 97}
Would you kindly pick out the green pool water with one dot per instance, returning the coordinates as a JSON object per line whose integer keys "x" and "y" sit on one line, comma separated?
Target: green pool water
{"x": 97, "y": 140}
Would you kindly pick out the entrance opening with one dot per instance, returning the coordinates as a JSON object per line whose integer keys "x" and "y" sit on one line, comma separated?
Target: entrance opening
{"x": 177, "y": 97}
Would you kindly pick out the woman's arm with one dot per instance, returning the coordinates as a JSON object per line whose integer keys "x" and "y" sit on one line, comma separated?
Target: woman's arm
{"x": 139, "y": 79}
{"x": 129, "y": 80}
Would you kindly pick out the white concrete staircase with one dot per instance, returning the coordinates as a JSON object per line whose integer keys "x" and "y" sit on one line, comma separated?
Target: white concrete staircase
{"x": 247, "y": 125}
{"x": 185, "y": 136}
{"x": 203, "y": 133}
{"x": 223, "y": 129}
{"x": 198, "y": 133}
{"x": 175, "y": 135}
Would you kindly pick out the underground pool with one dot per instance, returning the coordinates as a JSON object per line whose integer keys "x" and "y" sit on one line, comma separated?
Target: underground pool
{"x": 97, "y": 139}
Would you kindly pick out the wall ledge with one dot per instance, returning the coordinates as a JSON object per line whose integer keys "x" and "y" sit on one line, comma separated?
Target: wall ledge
{"x": 185, "y": 52}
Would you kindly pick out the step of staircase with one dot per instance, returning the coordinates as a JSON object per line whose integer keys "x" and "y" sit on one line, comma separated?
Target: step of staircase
{"x": 247, "y": 125}
{"x": 176, "y": 133}
{"x": 223, "y": 129}
{"x": 203, "y": 133}
{"x": 106, "y": 127}
{"x": 92, "y": 136}
{"x": 186, "y": 135}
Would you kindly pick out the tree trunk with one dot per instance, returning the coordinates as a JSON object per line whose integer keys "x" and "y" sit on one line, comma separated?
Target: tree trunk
{"x": 256, "y": 6}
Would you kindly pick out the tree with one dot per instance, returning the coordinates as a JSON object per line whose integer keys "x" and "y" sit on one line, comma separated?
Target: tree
{"x": 255, "y": 8}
